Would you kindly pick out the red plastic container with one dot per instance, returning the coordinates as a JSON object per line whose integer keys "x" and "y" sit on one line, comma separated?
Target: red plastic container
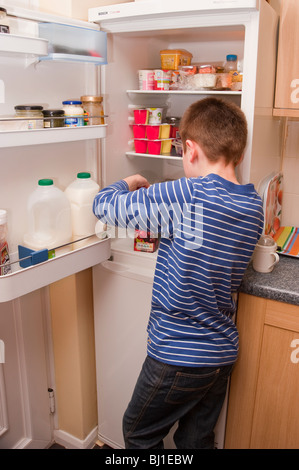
{"x": 139, "y": 131}
{"x": 141, "y": 116}
{"x": 153, "y": 132}
{"x": 140, "y": 145}
{"x": 154, "y": 147}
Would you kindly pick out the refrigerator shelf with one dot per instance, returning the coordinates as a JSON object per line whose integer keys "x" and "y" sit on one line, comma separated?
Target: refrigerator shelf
{"x": 161, "y": 156}
{"x": 23, "y": 45}
{"x": 184, "y": 92}
{"x": 52, "y": 135}
{"x": 23, "y": 281}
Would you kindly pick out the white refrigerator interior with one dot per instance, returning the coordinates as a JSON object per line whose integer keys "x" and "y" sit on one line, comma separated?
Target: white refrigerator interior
{"x": 136, "y": 32}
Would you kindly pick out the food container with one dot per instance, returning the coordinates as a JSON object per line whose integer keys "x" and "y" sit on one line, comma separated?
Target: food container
{"x": 204, "y": 80}
{"x": 154, "y": 147}
{"x": 166, "y": 146}
{"x": 153, "y": 132}
{"x": 4, "y": 24}
{"x": 171, "y": 59}
{"x": 223, "y": 81}
{"x": 155, "y": 115}
{"x": 74, "y": 113}
{"x": 206, "y": 69}
{"x": 33, "y": 114}
{"x": 165, "y": 131}
{"x": 146, "y": 79}
{"x": 144, "y": 242}
{"x": 53, "y": 118}
{"x": 141, "y": 116}
{"x": 178, "y": 145}
{"x": 162, "y": 79}
{"x": 141, "y": 145}
{"x": 93, "y": 110}
{"x": 139, "y": 131}
{"x": 174, "y": 126}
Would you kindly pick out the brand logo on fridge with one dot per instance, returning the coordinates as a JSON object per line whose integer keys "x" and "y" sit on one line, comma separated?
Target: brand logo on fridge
{"x": 295, "y": 92}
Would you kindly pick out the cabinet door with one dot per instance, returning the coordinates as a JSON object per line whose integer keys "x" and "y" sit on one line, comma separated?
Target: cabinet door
{"x": 287, "y": 80}
{"x": 276, "y": 414}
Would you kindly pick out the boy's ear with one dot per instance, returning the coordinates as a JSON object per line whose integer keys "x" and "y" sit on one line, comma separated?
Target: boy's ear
{"x": 191, "y": 150}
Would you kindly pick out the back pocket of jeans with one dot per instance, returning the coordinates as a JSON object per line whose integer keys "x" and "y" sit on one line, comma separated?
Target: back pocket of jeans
{"x": 187, "y": 387}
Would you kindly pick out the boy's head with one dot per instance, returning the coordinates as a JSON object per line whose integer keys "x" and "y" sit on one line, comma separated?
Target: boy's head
{"x": 219, "y": 127}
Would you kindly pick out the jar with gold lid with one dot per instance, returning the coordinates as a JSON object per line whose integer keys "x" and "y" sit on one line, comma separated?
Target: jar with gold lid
{"x": 93, "y": 109}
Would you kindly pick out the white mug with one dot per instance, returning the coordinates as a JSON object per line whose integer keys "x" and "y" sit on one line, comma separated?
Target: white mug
{"x": 265, "y": 256}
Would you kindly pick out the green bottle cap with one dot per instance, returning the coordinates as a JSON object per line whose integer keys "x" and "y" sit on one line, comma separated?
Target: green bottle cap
{"x": 45, "y": 182}
{"x": 83, "y": 175}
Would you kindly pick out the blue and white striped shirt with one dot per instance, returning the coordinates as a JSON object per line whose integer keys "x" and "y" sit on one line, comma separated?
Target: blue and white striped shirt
{"x": 209, "y": 228}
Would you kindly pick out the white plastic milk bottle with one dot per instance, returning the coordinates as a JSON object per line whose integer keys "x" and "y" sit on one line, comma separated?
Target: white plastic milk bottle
{"x": 49, "y": 218}
{"x": 81, "y": 194}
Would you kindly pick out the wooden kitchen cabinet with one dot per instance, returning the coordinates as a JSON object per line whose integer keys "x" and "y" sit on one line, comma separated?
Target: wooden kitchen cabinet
{"x": 263, "y": 410}
{"x": 287, "y": 75}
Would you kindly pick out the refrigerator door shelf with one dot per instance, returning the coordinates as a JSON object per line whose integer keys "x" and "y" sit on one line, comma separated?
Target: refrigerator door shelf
{"x": 22, "y": 45}
{"x": 51, "y": 135}
{"x": 26, "y": 280}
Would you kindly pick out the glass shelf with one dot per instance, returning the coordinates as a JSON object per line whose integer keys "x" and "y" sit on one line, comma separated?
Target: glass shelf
{"x": 148, "y": 155}
{"x": 185, "y": 92}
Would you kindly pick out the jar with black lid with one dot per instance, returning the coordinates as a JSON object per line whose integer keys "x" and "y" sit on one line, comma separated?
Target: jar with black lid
{"x": 32, "y": 114}
{"x": 53, "y": 118}
{"x": 4, "y": 24}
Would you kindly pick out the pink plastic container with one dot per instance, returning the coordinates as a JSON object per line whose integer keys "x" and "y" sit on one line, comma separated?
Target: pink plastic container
{"x": 153, "y": 132}
{"x": 154, "y": 147}
{"x": 140, "y": 145}
{"x": 141, "y": 116}
{"x": 139, "y": 131}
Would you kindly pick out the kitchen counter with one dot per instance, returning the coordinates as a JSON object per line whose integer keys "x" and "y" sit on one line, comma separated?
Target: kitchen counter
{"x": 282, "y": 284}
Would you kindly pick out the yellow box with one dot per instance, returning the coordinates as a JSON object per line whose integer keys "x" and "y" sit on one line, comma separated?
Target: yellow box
{"x": 171, "y": 59}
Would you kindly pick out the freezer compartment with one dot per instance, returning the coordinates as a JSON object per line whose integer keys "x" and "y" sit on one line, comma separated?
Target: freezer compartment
{"x": 23, "y": 281}
{"x": 67, "y": 42}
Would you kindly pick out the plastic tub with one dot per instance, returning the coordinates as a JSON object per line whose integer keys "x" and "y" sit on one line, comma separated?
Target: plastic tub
{"x": 140, "y": 145}
{"x": 154, "y": 147}
{"x": 155, "y": 115}
{"x": 141, "y": 116}
{"x": 139, "y": 131}
{"x": 164, "y": 131}
{"x": 153, "y": 132}
{"x": 171, "y": 59}
{"x": 166, "y": 146}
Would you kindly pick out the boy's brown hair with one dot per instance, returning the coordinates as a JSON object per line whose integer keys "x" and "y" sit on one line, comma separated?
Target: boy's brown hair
{"x": 219, "y": 127}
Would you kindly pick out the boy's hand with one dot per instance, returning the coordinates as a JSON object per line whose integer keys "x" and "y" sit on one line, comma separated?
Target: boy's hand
{"x": 136, "y": 182}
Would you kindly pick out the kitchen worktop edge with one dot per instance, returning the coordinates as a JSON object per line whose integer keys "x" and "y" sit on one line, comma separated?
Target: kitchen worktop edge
{"x": 281, "y": 284}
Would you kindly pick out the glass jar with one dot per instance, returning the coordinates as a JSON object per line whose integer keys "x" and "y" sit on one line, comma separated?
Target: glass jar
{"x": 74, "y": 113}
{"x": 4, "y": 24}
{"x": 34, "y": 118}
{"x": 53, "y": 118}
{"x": 92, "y": 106}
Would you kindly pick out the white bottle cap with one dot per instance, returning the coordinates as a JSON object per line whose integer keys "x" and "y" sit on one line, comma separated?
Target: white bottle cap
{"x": 3, "y": 217}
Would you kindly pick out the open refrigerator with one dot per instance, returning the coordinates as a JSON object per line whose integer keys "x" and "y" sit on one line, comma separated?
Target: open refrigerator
{"x": 135, "y": 34}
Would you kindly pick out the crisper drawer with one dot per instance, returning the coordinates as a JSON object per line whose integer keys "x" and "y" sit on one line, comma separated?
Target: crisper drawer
{"x": 26, "y": 280}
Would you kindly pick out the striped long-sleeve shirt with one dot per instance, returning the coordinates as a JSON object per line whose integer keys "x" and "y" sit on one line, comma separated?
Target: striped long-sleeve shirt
{"x": 209, "y": 228}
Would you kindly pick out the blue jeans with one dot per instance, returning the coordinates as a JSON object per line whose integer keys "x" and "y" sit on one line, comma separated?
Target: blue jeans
{"x": 165, "y": 394}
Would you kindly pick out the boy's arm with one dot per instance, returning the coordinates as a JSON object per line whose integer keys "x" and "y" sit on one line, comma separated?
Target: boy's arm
{"x": 133, "y": 203}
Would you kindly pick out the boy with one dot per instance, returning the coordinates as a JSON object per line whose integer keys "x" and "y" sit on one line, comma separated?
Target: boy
{"x": 209, "y": 226}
